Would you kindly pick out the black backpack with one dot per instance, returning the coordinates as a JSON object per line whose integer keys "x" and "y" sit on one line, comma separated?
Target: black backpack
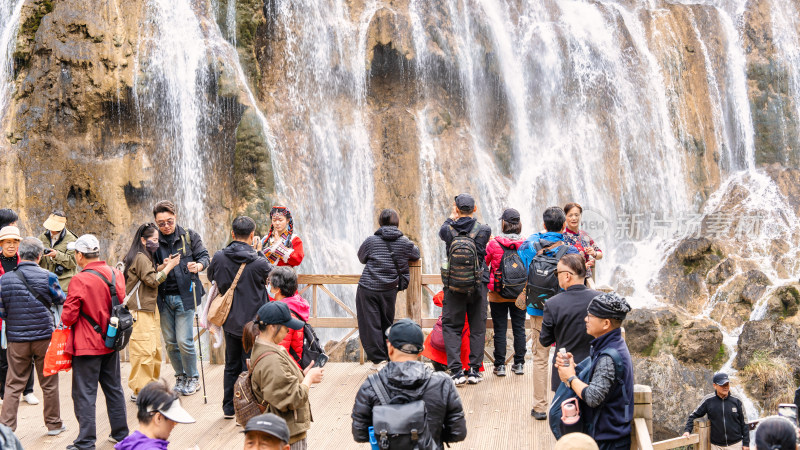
{"x": 311, "y": 346}
{"x": 462, "y": 272}
{"x": 542, "y": 276}
{"x": 511, "y": 276}
{"x": 118, "y": 310}
{"x": 400, "y": 426}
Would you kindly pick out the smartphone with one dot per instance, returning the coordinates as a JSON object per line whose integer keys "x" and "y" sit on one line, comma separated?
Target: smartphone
{"x": 175, "y": 255}
{"x": 788, "y": 410}
{"x": 322, "y": 359}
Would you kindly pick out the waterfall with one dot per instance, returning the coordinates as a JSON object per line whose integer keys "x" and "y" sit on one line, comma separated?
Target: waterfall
{"x": 176, "y": 71}
{"x": 9, "y": 24}
{"x": 323, "y": 157}
{"x": 230, "y": 21}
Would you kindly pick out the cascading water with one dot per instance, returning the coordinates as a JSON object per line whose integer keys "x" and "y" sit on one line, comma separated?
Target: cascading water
{"x": 9, "y": 24}
{"x": 324, "y": 163}
{"x": 177, "y": 69}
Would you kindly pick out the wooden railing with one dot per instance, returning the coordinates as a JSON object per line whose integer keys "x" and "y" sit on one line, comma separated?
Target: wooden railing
{"x": 414, "y": 299}
{"x": 642, "y": 427}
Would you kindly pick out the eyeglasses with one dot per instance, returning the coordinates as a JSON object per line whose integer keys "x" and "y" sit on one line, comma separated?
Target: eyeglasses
{"x": 164, "y": 223}
{"x": 559, "y": 272}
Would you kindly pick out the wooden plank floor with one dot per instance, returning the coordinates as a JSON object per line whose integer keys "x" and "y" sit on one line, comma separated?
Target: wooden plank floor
{"x": 497, "y": 410}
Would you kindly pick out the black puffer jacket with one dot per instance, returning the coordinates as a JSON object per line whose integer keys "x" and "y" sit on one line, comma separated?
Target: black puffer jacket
{"x": 406, "y": 382}
{"x": 251, "y": 290}
{"x": 380, "y": 273}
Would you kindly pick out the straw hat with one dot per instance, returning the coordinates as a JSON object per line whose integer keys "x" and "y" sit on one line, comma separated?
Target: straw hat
{"x": 10, "y": 232}
{"x": 55, "y": 222}
{"x": 576, "y": 441}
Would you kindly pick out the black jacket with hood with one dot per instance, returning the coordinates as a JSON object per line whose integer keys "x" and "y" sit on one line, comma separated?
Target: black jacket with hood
{"x": 190, "y": 245}
{"x": 410, "y": 381}
{"x": 251, "y": 290}
{"x": 464, "y": 225}
{"x": 380, "y": 273}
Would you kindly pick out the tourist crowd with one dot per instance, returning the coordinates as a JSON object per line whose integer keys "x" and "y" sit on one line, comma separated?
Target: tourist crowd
{"x": 57, "y": 293}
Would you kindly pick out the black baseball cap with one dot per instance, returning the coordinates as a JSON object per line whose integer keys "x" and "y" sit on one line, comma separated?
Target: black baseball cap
{"x": 465, "y": 203}
{"x": 277, "y": 313}
{"x": 721, "y": 378}
{"x": 270, "y": 424}
{"x": 406, "y": 336}
{"x": 510, "y": 215}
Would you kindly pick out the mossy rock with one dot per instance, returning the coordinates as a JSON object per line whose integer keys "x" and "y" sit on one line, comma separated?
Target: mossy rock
{"x": 254, "y": 180}
{"x": 32, "y": 15}
{"x": 784, "y": 301}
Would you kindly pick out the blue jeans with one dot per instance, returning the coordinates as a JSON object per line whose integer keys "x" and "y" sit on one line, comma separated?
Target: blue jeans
{"x": 176, "y": 327}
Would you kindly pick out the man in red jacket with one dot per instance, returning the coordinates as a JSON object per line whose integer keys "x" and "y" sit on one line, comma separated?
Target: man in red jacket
{"x": 92, "y": 361}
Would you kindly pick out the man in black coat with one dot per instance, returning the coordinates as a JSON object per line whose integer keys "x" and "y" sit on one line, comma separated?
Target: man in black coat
{"x": 249, "y": 295}
{"x": 407, "y": 379}
{"x": 726, "y": 415}
{"x": 473, "y": 306}
{"x": 564, "y": 314}
{"x": 180, "y": 294}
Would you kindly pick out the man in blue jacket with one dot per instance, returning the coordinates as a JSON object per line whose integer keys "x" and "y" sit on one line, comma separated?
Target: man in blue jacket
{"x": 726, "y": 415}
{"x": 554, "y": 219}
{"x": 26, "y": 296}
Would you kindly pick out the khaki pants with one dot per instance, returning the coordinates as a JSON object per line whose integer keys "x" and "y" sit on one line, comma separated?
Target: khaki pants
{"x": 19, "y": 369}
{"x": 541, "y": 364}
{"x": 736, "y": 446}
{"x": 144, "y": 350}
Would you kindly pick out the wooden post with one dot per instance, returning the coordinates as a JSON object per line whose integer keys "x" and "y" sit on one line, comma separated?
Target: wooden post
{"x": 643, "y": 405}
{"x": 703, "y": 428}
{"x": 414, "y": 292}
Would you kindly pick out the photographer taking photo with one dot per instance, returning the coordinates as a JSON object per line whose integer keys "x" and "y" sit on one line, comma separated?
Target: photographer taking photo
{"x": 57, "y": 258}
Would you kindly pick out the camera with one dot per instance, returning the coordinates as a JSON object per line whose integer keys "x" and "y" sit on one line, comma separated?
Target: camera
{"x": 59, "y": 270}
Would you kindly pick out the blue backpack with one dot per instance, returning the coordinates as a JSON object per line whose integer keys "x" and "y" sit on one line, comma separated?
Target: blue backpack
{"x": 563, "y": 393}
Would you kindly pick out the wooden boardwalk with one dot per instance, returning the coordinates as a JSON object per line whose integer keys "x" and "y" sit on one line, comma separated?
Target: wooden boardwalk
{"x": 497, "y": 410}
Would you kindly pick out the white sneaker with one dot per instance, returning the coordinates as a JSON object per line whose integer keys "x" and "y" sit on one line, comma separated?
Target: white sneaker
{"x": 31, "y": 399}
{"x": 377, "y": 367}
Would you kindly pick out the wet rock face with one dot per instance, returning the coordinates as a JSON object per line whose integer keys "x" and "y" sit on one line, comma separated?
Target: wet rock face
{"x": 700, "y": 341}
{"x": 768, "y": 338}
{"x": 677, "y": 390}
{"x": 784, "y": 301}
{"x": 647, "y": 331}
{"x": 771, "y": 101}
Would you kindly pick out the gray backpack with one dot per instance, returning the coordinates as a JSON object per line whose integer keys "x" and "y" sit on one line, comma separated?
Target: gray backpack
{"x": 400, "y": 426}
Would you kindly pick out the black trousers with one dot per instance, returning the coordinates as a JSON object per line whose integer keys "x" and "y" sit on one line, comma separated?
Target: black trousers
{"x": 375, "y": 313}
{"x": 235, "y": 364}
{"x": 4, "y": 372}
{"x": 615, "y": 444}
{"x": 457, "y": 307}
{"x": 500, "y": 313}
{"x": 87, "y": 372}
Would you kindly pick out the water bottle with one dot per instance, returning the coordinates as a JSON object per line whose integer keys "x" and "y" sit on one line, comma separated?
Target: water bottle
{"x": 373, "y": 441}
{"x": 111, "y": 334}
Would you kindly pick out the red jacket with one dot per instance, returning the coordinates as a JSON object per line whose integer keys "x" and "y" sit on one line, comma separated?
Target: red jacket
{"x": 439, "y": 355}
{"x": 90, "y": 295}
{"x": 494, "y": 254}
{"x": 295, "y": 258}
{"x": 294, "y": 340}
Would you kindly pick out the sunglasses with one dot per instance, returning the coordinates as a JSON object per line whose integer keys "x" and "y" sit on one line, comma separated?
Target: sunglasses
{"x": 164, "y": 223}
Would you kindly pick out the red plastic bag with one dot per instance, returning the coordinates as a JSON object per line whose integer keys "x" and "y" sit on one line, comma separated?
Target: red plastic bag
{"x": 55, "y": 360}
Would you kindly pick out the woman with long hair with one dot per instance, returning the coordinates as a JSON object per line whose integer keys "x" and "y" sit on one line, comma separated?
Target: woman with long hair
{"x": 142, "y": 278}
{"x": 281, "y": 246}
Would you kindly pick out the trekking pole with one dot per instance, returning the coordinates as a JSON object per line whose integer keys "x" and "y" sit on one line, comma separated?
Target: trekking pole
{"x": 199, "y": 344}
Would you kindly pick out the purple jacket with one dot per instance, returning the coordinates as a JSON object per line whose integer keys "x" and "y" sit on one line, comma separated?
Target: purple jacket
{"x": 138, "y": 441}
